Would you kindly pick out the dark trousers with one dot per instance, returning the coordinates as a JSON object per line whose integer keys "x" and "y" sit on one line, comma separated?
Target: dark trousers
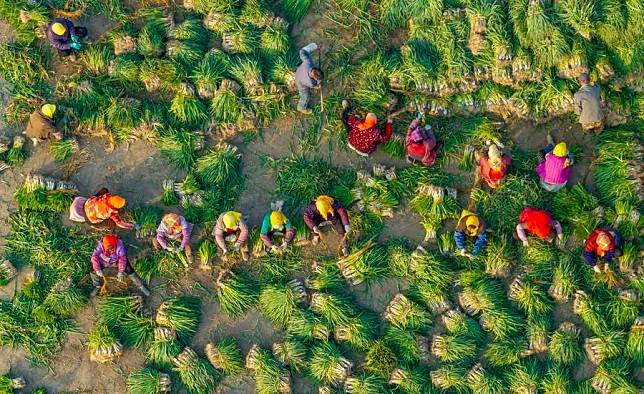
{"x": 80, "y": 32}
{"x": 345, "y": 118}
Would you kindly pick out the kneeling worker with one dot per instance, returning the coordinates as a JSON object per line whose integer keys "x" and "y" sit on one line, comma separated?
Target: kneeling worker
{"x": 108, "y": 253}
{"x": 470, "y": 225}
{"x": 231, "y": 228}
{"x": 176, "y": 228}
{"x": 601, "y": 244}
{"x": 41, "y": 126}
{"x": 326, "y": 211}
{"x": 275, "y": 223}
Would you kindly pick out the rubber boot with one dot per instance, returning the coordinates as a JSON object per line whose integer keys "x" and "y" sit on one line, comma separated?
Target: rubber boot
{"x": 97, "y": 281}
{"x": 136, "y": 279}
{"x": 244, "y": 254}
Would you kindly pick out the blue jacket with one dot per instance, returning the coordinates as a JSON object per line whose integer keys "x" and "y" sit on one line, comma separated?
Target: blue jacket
{"x": 302, "y": 78}
{"x": 481, "y": 241}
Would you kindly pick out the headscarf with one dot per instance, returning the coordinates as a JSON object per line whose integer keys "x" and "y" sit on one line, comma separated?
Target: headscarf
{"x": 231, "y": 219}
{"x": 495, "y": 156}
{"x": 538, "y": 221}
{"x": 110, "y": 242}
{"x": 472, "y": 222}
{"x": 173, "y": 223}
{"x": 48, "y": 110}
{"x": 561, "y": 150}
{"x": 368, "y": 122}
{"x": 116, "y": 202}
{"x": 324, "y": 204}
{"x": 278, "y": 220}
{"x": 58, "y": 28}
{"x": 603, "y": 241}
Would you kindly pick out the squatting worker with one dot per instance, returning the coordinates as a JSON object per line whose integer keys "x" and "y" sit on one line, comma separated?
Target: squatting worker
{"x": 554, "y": 165}
{"x": 326, "y": 211}
{"x": 100, "y": 210}
{"x": 588, "y": 105}
{"x": 176, "y": 228}
{"x": 307, "y": 76}
{"x": 601, "y": 245}
{"x": 275, "y": 224}
{"x": 493, "y": 165}
{"x": 110, "y": 252}
{"x": 231, "y": 228}
{"x": 64, "y": 36}
{"x": 364, "y": 134}
{"x": 421, "y": 145}
{"x": 538, "y": 223}
{"x": 41, "y": 125}
{"x": 471, "y": 226}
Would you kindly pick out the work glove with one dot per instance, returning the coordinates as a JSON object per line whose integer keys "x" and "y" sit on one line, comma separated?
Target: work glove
{"x": 224, "y": 252}
{"x": 311, "y": 47}
{"x": 75, "y": 44}
{"x": 237, "y": 246}
{"x": 560, "y": 243}
{"x": 347, "y": 228}
{"x": 137, "y": 227}
{"x": 526, "y": 243}
{"x": 463, "y": 252}
{"x": 419, "y": 115}
{"x": 284, "y": 245}
{"x": 596, "y": 269}
{"x": 316, "y": 230}
{"x": 120, "y": 276}
{"x": 99, "y": 273}
{"x": 181, "y": 248}
{"x": 275, "y": 249}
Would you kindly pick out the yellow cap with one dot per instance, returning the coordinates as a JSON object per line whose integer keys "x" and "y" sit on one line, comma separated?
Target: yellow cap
{"x": 58, "y": 29}
{"x": 560, "y": 150}
{"x": 48, "y": 110}
{"x": 324, "y": 204}
{"x": 603, "y": 240}
{"x": 231, "y": 219}
{"x": 472, "y": 224}
{"x": 278, "y": 220}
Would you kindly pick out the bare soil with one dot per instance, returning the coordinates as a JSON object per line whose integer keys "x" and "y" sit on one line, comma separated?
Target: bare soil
{"x": 137, "y": 170}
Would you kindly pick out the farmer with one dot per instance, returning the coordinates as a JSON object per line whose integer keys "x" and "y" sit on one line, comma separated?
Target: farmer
{"x": 470, "y": 225}
{"x": 276, "y": 224}
{"x": 539, "y": 223}
{"x": 108, "y": 253}
{"x": 588, "y": 105}
{"x": 493, "y": 165}
{"x": 421, "y": 145}
{"x": 64, "y": 36}
{"x": 41, "y": 126}
{"x": 363, "y": 134}
{"x": 231, "y": 228}
{"x": 307, "y": 76}
{"x": 176, "y": 228}
{"x": 326, "y": 211}
{"x": 601, "y": 244}
{"x": 554, "y": 166}
{"x": 100, "y": 210}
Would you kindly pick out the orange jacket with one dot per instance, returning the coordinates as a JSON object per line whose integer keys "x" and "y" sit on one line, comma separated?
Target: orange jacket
{"x": 97, "y": 210}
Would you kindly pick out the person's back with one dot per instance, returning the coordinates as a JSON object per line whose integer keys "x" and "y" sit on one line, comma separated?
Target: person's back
{"x": 588, "y": 103}
{"x": 39, "y": 126}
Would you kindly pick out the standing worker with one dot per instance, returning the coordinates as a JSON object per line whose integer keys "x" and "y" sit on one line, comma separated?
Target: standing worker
{"x": 421, "y": 145}
{"x": 231, "y": 228}
{"x": 554, "y": 166}
{"x": 100, "y": 210}
{"x": 176, "y": 228}
{"x": 470, "y": 225}
{"x": 539, "y": 223}
{"x": 64, "y": 36}
{"x": 275, "y": 223}
{"x": 109, "y": 252}
{"x": 364, "y": 134}
{"x": 326, "y": 211}
{"x": 588, "y": 105}
{"x": 493, "y": 165}
{"x": 41, "y": 126}
{"x": 307, "y": 76}
{"x": 601, "y": 244}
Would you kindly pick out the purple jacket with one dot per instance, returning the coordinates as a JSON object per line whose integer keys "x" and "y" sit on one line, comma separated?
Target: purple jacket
{"x": 552, "y": 170}
{"x": 100, "y": 259}
{"x": 61, "y": 42}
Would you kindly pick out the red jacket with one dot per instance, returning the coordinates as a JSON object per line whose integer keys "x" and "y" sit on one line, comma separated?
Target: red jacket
{"x": 365, "y": 141}
{"x": 591, "y": 243}
{"x": 492, "y": 176}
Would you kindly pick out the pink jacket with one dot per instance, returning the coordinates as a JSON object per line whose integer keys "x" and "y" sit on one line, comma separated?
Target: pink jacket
{"x": 552, "y": 170}
{"x": 100, "y": 258}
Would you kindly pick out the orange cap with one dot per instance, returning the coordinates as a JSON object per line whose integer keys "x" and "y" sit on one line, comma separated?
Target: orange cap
{"x": 369, "y": 121}
{"x": 110, "y": 241}
{"x": 116, "y": 202}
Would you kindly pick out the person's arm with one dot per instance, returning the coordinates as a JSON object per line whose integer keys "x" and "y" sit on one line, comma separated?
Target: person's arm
{"x": 96, "y": 262}
{"x": 459, "y": 239}
{"x": 263, "y": 232}
{"x": 161, "y": 239}
{"x": 590, "y": 258}
{"x": 218, "y": 233}
{"x": 609, "y": 256}
{"x": 577, "y": 103}
{"x": 342, "y": 213}
{"x": 480, "y": 243}
{"x": 521, "y": 227}
{"x": 557, "y": 227}
{"x": 267, "y": 240}
{"x": 186, "y": 233}
{"x": 305, "y": 57}
{"x": 120, "y": 252}
{"x": 289, "y": 235}
{"x": 120, "y": 222}
{"x": 572, "y": 161}
{"x": 243, "y": 233}
{"x": 388, "y": 129}
{"x": 308, "y": 218}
